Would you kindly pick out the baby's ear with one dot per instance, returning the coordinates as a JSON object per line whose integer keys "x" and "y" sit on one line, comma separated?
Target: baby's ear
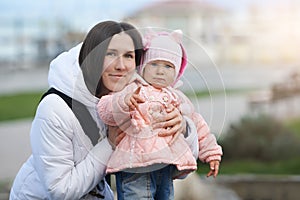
{"x": 149, "y": 34}
{"x": 177, "y": 35}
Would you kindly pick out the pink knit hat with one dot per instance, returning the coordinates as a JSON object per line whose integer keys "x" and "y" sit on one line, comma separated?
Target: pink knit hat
{"x": 167, "y": 47}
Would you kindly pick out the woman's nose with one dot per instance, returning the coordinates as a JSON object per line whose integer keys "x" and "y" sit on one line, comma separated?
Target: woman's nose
{"x": 120, "y": 63}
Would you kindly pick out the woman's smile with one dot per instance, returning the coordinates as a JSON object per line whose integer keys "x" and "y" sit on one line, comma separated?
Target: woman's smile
{"x": 117, "y": 76}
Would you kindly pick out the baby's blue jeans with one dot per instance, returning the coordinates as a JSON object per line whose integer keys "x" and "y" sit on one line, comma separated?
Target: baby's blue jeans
{"x": 156, "y": 185}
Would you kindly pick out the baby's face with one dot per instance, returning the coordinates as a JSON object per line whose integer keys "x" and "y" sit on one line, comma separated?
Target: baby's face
{"x": 159, "y": 73}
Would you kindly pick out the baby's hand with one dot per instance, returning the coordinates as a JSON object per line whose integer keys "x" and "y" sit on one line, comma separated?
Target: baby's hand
{"x": 214, "y": 168}
{"x": 132, "y": 100}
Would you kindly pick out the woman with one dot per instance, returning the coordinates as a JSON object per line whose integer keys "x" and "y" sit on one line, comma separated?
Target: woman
{"x": 64, "y": 163}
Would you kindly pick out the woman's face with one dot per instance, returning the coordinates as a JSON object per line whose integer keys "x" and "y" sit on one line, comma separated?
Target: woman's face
{"x": 119, "y": 62}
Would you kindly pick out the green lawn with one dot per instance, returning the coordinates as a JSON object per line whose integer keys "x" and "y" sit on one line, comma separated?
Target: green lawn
{"x": 18, "y": 106}
{"x": 286, "y": 167}
{"x": 206, "y": 93}
{"x": 23, "y": 105}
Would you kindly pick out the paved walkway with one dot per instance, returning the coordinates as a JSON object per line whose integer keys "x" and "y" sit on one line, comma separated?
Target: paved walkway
{"x": 23, "y": 80}
{"x": 14, "y": 135}
{"x": 14, "y": 147}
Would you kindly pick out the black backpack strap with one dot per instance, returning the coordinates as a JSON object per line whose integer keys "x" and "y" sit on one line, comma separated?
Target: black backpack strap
{"x": 86, "y": 121}
{"x": 84, "y": 117}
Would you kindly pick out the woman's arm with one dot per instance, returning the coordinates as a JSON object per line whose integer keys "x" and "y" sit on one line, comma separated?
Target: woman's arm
{"x": 64, "y": 173}
{"x": 191, "y": 136}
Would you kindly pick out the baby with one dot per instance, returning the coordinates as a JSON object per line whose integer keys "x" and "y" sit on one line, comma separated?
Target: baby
{"x": 146, "y": 98}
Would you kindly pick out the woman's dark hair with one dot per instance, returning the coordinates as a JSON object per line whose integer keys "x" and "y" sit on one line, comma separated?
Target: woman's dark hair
{"x": 94, "y": 48}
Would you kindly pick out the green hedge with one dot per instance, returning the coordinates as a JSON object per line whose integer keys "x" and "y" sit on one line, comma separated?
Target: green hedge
{"x": 261, "y": 138}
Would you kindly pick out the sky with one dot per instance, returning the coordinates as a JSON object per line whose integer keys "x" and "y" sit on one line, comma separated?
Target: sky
{"x": 78, "y": 12}
{"x": 86, "y": 13}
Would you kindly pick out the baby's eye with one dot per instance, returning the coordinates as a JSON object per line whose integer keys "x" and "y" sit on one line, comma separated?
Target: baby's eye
{"x": 154, "y": 64}
{"x": 169, "y": 66}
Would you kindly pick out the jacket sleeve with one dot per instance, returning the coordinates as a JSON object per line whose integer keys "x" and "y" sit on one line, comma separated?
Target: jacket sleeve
{"x": 112, "y": 108}
{"x": 208, "y": 147}
{"x": 52, "y": 139}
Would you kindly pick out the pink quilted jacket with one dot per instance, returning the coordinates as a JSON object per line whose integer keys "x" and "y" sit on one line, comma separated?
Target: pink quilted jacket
{"x": 142, "y": 146}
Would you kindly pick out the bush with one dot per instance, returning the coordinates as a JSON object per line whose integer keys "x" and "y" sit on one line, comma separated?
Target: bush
{"x": 261, "y": 138}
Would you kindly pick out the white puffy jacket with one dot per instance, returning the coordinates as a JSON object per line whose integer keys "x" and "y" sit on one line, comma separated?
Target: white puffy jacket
{"x": 64, "y": 164}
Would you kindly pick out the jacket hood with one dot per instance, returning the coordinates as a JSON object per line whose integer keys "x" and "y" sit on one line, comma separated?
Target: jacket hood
{"x": 66, "y": 76}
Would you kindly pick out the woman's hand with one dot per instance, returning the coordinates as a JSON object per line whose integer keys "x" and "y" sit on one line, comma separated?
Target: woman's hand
{"x": 214, "y": 168}
{"x": 117, "y": 133}
{"x": 173, "y": 123}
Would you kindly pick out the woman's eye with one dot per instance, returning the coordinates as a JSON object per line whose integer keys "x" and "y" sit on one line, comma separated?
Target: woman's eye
{"x": 129, "y": 55}
{"x": 111, "y": 54}
{"x": 153, "y": 64}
